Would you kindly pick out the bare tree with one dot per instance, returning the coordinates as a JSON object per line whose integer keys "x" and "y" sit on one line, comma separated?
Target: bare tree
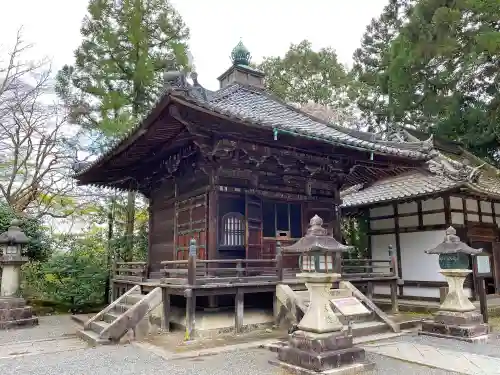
{"x": 37, "y": 147}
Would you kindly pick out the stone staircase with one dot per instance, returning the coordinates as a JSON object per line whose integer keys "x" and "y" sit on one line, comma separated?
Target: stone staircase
{"x": 293, "y": 305}
{"x": 127, "y": 315}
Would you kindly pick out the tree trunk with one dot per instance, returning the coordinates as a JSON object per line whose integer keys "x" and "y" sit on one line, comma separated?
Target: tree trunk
{"x": 129, "y": 230}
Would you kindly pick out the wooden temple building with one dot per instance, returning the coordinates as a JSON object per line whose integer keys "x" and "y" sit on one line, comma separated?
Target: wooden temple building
{"x": 238, "y": 170}
{"x": 411, "y": 212}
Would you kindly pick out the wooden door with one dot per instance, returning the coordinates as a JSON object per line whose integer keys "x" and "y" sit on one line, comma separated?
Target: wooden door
{"x": 253, "y": 215}
{"x": 191, "y": 222}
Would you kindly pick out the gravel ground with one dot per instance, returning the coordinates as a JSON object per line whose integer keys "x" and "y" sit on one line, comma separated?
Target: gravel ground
{"x": 129, "y": 360}
{"x": 49, "y": 327}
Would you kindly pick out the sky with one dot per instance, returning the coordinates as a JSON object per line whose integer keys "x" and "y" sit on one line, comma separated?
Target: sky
{"x": 266, "y": 27}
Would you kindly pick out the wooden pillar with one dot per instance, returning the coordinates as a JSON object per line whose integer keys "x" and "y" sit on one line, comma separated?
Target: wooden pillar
{"x": 369, "y": 290}
{"x": 239, "y": 310}
{"x": 212, "y": 226}
{"x": 394, "y": 297}
{"x": 165, "y": 324}
{"x": 190, "y": 313}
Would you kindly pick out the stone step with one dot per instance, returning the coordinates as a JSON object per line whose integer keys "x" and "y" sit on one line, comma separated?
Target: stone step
{"x": 91, "y": 337}
{"x": 98, "y": 326}
{"x": 120, "y": 308}
{"x": 110, "y": 316}
{"x": 16, "y": 313}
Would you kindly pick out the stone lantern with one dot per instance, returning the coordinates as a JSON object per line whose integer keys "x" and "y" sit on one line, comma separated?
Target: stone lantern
{"x": 13, "y": 309}
{"x": 457, "y": 317}
{"x": 322, "y": 343}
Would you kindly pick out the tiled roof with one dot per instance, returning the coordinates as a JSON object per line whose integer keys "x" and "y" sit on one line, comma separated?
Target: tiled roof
{"x": 407, "y": 185}
{"x": 255, "y": 106}
{"x": 440, "y": 174}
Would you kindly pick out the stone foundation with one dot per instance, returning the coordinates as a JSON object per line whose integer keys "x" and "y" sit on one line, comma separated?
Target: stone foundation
{"x": 14, "y": 313}
{"x": 465, "y": 326}
{"x": 322, "y": 354}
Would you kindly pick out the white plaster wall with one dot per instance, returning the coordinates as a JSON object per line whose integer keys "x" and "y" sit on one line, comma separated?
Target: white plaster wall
{"x": 415, "y": 263}
{"x": 457, "y": 218}
{"x": 408, "y": 221}
{"x": 406, "y": 208}
{"x": 487, "y": 218}
{"x": 382, "y": 224}
{"x": 433, "y": 204}
{"x": 434, "y": 219}
{"x": 380, "y": 251}
{"x": 382, "y": 211}
{"x": 471, "y": 205}
{"x": 472, "y": 217}
{"x": 497, "y": 208}
{"x": 456, "y": 203}
{"x": 485, "y": 207}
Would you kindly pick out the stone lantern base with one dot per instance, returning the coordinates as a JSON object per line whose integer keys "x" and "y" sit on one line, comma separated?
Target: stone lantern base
{"x": 308, "y": 353}
{"x": 457, "y": 317}
{"x": 15, "y": 313}
{"x": 322, "y": 345}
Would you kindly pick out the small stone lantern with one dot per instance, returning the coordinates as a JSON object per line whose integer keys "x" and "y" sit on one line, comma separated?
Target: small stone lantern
{"x": 321, "y": 343}
{"x": 13, "y": 309}
{"x": 457, "y": 316}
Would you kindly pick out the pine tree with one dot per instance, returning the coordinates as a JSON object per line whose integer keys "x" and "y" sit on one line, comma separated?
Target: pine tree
{"x": 116, "y": 76}
{"x": 371, "y": 61}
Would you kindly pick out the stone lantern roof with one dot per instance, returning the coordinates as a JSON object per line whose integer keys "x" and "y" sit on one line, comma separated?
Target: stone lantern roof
{"x": 452, "y": 245}
{"x": 14, "y": 235}
{"x": 316, "y": 239}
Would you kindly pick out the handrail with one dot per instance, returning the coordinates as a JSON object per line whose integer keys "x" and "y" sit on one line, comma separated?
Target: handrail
{"x": 111, "y": 306}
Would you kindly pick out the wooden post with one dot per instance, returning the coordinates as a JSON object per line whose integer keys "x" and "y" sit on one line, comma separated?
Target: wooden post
{"x": 369, "y": 290}
{"x": 190, "y": 314}
{"x": 279, "y": 261}
{"x": 166, "y": 310}
{"x": 238, "y": 310}
{"x": 394, "y": 297}
{"x": 394, "y": 264}
{"x": 192, "y": 262}
{"x": 239, "y": 265}
{"x": 483, "y": 304}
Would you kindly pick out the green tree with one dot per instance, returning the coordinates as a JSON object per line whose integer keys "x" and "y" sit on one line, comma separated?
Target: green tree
{"x": 371, "y": 60}
{"x": 116, "y": 77}
{"x": 444, "y": 71}
{"x": 304, "y": 76}
{"x": 38, "y": 248}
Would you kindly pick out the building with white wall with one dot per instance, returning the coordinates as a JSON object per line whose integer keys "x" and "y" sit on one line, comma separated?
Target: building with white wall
{"x": 412, "y": 211}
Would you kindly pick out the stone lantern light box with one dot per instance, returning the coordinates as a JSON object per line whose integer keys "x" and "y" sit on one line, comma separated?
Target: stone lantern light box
{"x": 13, "y": 309}
{"x": 319, "y": 252}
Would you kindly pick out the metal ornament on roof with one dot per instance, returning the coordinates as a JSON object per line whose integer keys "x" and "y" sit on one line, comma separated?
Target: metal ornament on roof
{"x": 14, "y": 235}
{"x": 453, "y": 253}
{"x": 240, "y": 55}
{"x": 316, "y": 240}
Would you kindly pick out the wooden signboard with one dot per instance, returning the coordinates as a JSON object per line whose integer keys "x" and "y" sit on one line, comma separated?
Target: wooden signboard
{"x": 350, "y": 306}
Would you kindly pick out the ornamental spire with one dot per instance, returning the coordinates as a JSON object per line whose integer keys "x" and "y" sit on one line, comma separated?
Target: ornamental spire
{"x": 240, "y": 55}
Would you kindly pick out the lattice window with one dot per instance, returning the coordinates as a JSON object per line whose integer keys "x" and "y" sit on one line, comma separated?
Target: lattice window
{"x": 233, "y": 229}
